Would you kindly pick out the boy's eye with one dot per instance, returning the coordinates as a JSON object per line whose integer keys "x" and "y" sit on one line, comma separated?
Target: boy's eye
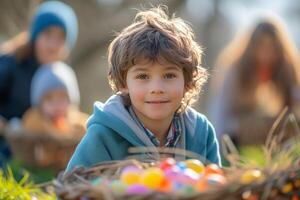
{"x": 142, "y": 76}
{"x": 170, "y": 76}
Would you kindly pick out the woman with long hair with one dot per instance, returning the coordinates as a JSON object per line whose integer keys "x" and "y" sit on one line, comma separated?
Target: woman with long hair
{"x": 258, "y": 75}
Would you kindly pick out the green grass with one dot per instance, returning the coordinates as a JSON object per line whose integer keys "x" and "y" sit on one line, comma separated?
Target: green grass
{"x": 253, "y": 155}
{"x": 37, "y": 175}
{"x": 10, "y": 189}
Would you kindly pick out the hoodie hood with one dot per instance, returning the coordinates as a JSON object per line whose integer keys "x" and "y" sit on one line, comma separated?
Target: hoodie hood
{"x": 114, "y": 115}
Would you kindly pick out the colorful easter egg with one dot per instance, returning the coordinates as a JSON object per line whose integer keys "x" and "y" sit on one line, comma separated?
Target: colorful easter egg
{"x": 152, "y": 177}
{"x": 213, "y": 169}
{"x": 250, "y": 176}
{"x": 96, "y": 181}
{"x": 195, "y": 165}
{"x": 172, "y": 173}
{"x": 202, "y": 185}
{"x": 187, "y": 190}
{"x": 137, "y": 189}
{"x": 181, "y": 165}
{"x": 167, "y": 163}
{"x": 287, "y": 188}
{"x": 131, "y": 168}
{"x": 188, "y": 176}
{"x": 130, "y": 175}
{"x": 215, "y": 179}
{"x": 118, "y": 187}
{"x": 166, "y": 186}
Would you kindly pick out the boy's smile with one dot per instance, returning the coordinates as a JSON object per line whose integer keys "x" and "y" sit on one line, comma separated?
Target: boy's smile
{"x": 155, "y": 90}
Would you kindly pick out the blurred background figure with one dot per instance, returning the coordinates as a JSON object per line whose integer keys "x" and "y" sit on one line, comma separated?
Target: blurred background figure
{"x": 52, "y": 34}
{"x": 54, "y": 125}
{"x": 257, "y": 75}
{"x": 55, "y": 101}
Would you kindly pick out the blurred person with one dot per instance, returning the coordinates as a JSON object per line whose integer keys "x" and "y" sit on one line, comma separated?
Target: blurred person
{"x": 51, "y": 37}
{"x": 55, "y": 100}
{"x": 257, "y": 75}
{"x": 54, "y": 115}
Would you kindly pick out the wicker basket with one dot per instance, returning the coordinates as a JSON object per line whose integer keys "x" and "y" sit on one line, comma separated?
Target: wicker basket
{"x": 77, "y": 185}
{"x": 42, "y": 150}
{"x": 280, "y": 179}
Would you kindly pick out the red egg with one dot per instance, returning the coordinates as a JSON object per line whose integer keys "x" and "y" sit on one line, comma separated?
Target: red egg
{"x": 167, "y": 163}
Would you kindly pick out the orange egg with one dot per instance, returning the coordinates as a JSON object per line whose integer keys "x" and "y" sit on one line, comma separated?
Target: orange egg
{"x": 213, "y": 169}
{"x": 166, "y": 186}
{"x": 202, "y": 185}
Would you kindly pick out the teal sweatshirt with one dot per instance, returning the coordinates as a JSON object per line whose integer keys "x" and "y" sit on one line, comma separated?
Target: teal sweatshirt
{"x": 111, "y": 131}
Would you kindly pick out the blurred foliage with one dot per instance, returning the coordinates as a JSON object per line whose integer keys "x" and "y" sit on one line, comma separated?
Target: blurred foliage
{"x": 37, "y": 175}
{"x": 282, "y": 157}
{"x": 20, "y": 190}
{"x": 254, "y": 155}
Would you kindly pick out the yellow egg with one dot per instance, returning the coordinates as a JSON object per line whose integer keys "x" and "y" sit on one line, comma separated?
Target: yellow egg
{"x": 153, "y": 178}
{"x": 251, "y": 176}
{"x": 195, "y": 165}
{"x": 287, "y": 188}
{"x": 130, "y": 177}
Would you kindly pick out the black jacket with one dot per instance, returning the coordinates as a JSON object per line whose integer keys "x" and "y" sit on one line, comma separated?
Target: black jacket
{"x": 15, "y": 82}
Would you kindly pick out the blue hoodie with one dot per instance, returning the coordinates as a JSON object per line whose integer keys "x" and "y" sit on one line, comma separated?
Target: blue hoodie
{"x": 111, "y": 131}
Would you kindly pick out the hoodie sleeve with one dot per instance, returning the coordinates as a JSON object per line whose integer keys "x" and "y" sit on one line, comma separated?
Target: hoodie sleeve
{"x": 212, "y": 145}
{"x": 91, "y": 149}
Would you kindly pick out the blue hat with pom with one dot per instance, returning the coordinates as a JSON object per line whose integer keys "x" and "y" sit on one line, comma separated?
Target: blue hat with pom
{"x": 51, "y": 77}
{"x": 55, "y": 13}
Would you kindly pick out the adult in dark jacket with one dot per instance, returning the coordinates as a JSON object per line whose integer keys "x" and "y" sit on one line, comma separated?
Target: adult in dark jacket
{"x": 52, "y": 35}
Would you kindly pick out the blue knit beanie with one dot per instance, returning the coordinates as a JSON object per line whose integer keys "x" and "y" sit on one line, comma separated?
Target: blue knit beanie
{"x": 55, "y": 13}
{"x": 54, "y": 76}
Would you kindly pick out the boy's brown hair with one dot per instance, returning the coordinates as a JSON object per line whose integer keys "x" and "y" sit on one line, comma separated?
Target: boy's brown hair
{"x": 155, "y": 37}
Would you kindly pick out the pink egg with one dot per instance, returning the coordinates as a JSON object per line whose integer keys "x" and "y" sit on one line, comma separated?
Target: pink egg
{"x": 172, "y": 173}
{"x": 130, "y": 168}
{"x": 138, "y": 189}
{"x": 189, "y": 176}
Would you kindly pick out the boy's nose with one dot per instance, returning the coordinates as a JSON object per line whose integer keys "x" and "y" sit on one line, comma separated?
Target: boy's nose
{"x": 157, "y": 87}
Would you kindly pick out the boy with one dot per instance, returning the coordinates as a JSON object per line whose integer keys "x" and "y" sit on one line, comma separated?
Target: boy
{"x": 54, "y": 99}
{"x": 155, "y": 72}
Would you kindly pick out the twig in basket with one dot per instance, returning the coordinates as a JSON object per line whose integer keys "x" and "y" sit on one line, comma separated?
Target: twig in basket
{"x": 275, "y": 125}
{"x": 161, "y": 151}
{"x": 230, "y": 151}
{"x": 295, "y": 124}
{"x": 82, "y": 179}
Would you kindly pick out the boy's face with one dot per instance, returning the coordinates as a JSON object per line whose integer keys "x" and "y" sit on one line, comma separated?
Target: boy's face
{"x": 55, "y": 104}
{"x": 156, "y": 90}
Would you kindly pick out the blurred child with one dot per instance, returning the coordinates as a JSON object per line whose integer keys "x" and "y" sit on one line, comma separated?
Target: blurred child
{"x": 260, "y": 76}
{"x": 156, "y": 74}
{"x": 55, "y": 99}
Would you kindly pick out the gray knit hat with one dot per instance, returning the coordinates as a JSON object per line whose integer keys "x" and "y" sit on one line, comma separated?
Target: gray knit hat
{"x": 53, "y": 76}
